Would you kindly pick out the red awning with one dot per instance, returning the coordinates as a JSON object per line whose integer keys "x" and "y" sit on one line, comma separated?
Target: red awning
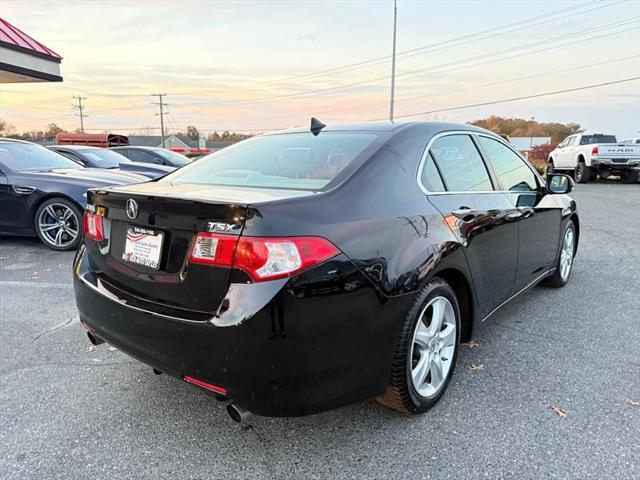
{"x": 12, "y": 36}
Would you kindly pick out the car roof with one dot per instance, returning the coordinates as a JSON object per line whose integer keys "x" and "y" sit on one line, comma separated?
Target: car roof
{"x": 74, "y": 147}
{"x": 15, "y": 140}
{"x": 139, "y": 147}
{"x": 386, "y": 126}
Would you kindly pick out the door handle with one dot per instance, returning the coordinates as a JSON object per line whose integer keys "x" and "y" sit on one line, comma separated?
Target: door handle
{"x": 465, "y": 214}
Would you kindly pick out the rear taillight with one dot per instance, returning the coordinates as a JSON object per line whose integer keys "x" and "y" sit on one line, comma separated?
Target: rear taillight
{"x": 594, "y": 150}
{"x": 93, "y": 226}
{"x": 262, "y": 258}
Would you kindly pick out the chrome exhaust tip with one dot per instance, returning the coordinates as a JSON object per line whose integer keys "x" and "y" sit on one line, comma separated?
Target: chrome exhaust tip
{"x": 237, "y": 413}
{"x": 94, "y": 339}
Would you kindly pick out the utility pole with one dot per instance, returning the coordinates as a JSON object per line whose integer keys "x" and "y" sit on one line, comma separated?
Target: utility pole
{"x": 393, "y": 61}
{"x": 162, "y": 112}
{"x": 80, "y": 110}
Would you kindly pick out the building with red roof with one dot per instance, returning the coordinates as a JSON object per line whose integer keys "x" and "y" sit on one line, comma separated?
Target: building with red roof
{"x": 24, "y": 59}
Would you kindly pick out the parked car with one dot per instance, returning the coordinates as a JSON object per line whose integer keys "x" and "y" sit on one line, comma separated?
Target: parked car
{"x": 632, "y": 141}
{"x": 96, "y": 157}
{"x": 300, "y": 271}
{"x": 44, "y": 193}
{"x": 588, "y": 156}
{"x": 153, "y": 155}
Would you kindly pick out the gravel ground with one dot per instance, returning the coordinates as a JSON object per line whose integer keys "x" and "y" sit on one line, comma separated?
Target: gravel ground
{"x": 68, "y": 411}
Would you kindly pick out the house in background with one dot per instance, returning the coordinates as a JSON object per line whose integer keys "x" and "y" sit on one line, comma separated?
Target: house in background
{"x": 178, "y": 143}
{"x": 524, "y": 144}
{"x": 23, "y": 59}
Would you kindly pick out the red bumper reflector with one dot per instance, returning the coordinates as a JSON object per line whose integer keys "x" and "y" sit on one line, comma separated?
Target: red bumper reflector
{"x": 208, "y": 386}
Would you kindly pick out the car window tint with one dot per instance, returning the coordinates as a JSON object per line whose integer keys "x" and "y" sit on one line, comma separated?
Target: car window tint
{"x": 430, "y": 177}
{"x": 142, "y": 156}
{"x": 298, "y": 160}
{"x": 460, "y": 164}
{"x": 513, "y": 173}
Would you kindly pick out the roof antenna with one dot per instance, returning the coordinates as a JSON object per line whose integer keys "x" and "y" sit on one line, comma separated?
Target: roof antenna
{"x": 316, "y": 126}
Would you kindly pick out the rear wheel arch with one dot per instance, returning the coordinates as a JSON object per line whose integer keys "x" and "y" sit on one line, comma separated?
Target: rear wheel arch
{"x": 461, "y": 285}
{"x": 581, "y": 159}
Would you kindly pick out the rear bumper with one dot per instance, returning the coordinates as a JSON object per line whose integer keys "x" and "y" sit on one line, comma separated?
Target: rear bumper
{"x": 314, "y": 346}
{"x": 609, "y": 163}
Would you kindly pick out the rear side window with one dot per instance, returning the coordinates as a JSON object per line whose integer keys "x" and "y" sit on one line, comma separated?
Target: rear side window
{"x": 291, "y": 160}
{"x": 142, "y": 156}
{"x": 430, "y": 176}
{"x": 460, "y": 164}
{"x": 513, "y": 173}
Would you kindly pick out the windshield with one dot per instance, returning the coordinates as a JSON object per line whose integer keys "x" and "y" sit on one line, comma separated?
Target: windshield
{"x": 22, "y": 157}
{"x": 174, "y": 157}
{"x": 591, "y": 139}
{"x": 104, "y": 158}
{"x": 295, "y": 160}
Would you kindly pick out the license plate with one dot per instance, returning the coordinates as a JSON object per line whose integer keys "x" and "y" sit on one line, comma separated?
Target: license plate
{"x": 143, "y": 246}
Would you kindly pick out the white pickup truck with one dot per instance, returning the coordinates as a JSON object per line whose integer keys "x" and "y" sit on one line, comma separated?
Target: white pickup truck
{"x": 588, "y": 156}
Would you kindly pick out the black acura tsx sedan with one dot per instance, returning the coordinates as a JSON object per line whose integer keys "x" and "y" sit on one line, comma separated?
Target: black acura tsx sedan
{"x": 300, "y": 271}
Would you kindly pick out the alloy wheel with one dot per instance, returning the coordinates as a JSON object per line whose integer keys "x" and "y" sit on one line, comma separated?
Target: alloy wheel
{"x": 566, "y": 255}
{"x": 433, "y": 347}
{"x": 58, "y": 225}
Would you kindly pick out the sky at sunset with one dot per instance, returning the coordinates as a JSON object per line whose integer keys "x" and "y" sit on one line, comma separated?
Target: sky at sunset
{"x": 257, "y": 66}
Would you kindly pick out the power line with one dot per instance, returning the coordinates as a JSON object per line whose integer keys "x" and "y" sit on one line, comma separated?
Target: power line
{"x": 574, "y": 11}
{"x": 80, "y": 109}
{"x": 515, "y": 99}
{"x": 162, "y": 113}
{"x": 422, "y": 69}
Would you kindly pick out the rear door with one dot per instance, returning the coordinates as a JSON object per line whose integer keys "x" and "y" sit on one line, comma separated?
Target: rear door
{"x": 478, "y": 215}
{"x": 535, "y": 211}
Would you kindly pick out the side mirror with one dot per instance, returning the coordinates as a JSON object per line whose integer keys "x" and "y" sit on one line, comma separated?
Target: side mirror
{"x": 559, "y": 183}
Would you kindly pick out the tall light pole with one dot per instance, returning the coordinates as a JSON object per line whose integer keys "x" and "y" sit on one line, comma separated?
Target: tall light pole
{"x": 393, "y": 61}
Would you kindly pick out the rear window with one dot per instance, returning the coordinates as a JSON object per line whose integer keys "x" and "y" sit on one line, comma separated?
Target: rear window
{"x": 298, "y": 161}
{"x": 591, "y": 139}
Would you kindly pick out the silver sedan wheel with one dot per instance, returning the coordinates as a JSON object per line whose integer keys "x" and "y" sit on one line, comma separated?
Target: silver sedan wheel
{"x": 433, "y": 347}
{"x": 566, "y": 254}
{"x": 58, "y": 225}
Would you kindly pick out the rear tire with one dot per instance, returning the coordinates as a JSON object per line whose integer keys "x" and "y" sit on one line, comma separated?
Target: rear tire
{"x": 630, "y": 176}
{"x": 58, "y": 224}
{"x": 564, "y": 266}
{"x": 582, "y": 173}
{"x": 426, "y": 351}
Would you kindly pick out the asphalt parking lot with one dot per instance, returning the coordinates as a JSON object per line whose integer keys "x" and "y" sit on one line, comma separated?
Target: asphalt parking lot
{"x": 69, "y": 411}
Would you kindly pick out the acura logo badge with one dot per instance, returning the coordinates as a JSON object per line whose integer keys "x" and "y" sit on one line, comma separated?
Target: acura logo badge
{"x": 132, "y": 208}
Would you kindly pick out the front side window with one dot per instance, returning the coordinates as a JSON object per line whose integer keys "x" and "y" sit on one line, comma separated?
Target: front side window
{"x": 23, "y": 157}
{"x": 571, "y": 141}
{"x": 290, "y": 160}
{"x": 460, "y": 164}
{"x": 513, "y": 173}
